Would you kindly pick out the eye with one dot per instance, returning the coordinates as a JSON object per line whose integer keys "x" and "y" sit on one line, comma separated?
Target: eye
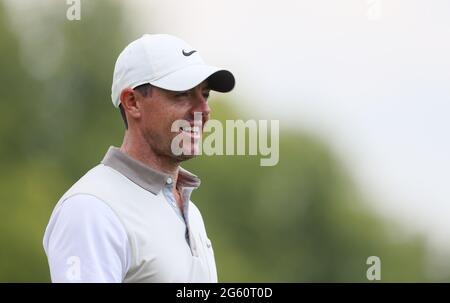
{"x": 206, "y": 95}
{"x": 181, "y": 94}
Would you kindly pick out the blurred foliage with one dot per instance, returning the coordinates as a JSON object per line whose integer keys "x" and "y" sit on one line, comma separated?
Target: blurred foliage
{"x": 302, "y": 220}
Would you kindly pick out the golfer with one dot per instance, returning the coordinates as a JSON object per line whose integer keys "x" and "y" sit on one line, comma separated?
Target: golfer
{"x": 130, "y": 218}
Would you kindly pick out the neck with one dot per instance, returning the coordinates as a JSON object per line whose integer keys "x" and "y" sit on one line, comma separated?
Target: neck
{"x": 139, "y": 150}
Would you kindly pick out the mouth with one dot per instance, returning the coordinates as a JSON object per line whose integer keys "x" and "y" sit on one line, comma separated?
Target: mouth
{"x": 193, "y": 131}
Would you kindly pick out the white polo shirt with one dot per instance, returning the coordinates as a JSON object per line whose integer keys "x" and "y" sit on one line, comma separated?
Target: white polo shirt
{"x": 119, "y": 223}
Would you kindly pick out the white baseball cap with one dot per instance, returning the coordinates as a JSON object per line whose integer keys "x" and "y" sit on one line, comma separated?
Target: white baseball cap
{"x": 166, "y": 62}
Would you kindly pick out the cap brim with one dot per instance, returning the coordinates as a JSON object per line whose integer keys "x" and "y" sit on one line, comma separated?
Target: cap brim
{"x": 189, "y": 77}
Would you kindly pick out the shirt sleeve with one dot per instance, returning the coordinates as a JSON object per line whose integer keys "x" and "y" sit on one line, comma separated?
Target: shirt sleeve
{"x": 86, "y": 242}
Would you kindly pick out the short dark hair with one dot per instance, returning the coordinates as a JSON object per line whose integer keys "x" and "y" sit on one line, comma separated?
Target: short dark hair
{"x": 124, "y": 117}
{"x": 144, "y": 90}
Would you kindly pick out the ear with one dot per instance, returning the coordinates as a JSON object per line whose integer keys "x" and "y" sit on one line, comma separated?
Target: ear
{"x": 129, "y": 100}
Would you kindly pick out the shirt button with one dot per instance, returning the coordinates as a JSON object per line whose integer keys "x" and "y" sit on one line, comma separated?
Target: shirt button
{"x": 169, "y": 180}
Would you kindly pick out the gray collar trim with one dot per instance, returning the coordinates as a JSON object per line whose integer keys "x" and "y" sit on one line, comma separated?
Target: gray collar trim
{"x": 143, "y": 175}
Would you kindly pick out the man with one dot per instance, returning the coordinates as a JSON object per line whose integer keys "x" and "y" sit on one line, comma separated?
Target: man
{"x": 130, "y": 218}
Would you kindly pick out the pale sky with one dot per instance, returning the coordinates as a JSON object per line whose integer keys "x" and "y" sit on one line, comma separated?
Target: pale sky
{"x": 377, "y": 90}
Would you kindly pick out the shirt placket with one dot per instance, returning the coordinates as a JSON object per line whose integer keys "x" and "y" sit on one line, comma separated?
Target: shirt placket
{"x": 183, "y": 216}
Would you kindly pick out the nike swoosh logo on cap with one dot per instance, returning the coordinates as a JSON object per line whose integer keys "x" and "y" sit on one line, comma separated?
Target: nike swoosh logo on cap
{"x": 187, "y": 54}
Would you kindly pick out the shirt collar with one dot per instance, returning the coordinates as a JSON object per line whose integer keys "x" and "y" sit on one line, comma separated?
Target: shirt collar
{"x": 143, "y": 175}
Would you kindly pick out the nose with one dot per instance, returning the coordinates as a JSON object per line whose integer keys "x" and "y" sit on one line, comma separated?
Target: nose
{"x": 201, "y": 105}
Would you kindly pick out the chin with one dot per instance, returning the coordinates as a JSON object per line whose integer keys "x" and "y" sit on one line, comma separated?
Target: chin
{"x": 184, "y": 157}
{"x": 188, "y": 152}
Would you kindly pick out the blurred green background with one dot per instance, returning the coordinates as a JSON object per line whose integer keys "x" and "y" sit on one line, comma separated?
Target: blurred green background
{"x": 302, "y": 220}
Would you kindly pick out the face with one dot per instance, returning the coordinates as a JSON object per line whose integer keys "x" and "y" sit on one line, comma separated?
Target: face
{"x": 160, "y": 108}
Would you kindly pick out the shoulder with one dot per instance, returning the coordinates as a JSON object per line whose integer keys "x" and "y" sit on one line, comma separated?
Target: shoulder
{"x": 86, "y": 207}
{"x": 102, "y": 182}
{"x": 100, "y": 175}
